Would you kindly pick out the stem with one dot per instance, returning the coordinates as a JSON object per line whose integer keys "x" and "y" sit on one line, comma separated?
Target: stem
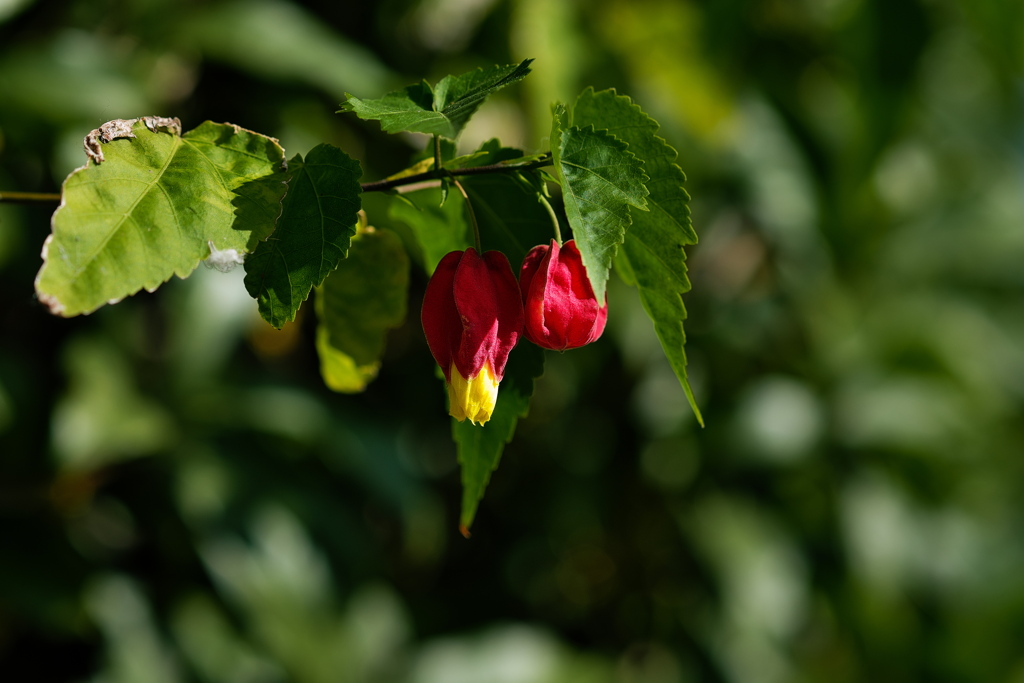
{"x": 385, "y": 185}
{"x": 376, "y": 186}
{"x": 29, "y": 197}
{"x": 554, "y": 218}
{"x": 472, "y": 216}
{"x": 437, "y": 152}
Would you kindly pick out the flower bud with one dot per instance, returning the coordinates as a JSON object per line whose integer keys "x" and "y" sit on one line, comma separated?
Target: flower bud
{"x": 558, "y": 299}
{"x": 472, "y": 318}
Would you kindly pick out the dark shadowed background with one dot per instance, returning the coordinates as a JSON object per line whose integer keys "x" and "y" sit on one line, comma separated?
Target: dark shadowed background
{"x": 181, "y": 499}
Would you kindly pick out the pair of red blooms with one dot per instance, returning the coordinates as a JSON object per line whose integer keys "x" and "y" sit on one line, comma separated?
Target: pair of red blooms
{"x": 474, "y": 313}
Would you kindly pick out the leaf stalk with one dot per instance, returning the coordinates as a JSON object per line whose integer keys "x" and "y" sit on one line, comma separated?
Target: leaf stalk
{"x": 472, "y": 216}
{"x": 554, "y": 218}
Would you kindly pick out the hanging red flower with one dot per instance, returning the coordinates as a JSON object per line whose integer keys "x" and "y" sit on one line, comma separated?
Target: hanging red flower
{"x": 472, "y": 317}
{"x": 561, "y": 309}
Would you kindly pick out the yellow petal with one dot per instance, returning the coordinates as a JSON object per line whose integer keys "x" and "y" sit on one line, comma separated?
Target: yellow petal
{"x": 472, "y": 398}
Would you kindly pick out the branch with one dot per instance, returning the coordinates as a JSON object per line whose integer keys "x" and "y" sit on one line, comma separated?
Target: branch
{"x": 377, "y": 186}
{"x": 437, "y": 174}
{"x": 29, "y": 197}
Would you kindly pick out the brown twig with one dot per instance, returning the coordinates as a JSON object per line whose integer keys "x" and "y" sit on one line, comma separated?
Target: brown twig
{"x": 437, "y": 174}
{"x": 377, "y": 186}
{"x": 29, "y": 197}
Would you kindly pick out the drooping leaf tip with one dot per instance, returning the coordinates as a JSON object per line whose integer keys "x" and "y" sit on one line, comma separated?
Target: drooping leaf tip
{"x": 464, "y": 530}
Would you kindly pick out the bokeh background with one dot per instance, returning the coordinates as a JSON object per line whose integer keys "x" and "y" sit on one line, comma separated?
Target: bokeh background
{"x": 181, "y": 499}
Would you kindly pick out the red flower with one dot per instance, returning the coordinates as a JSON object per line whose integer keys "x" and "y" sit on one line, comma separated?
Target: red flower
{"x": 561, "y": 309}
{"x": 472, "y": 318}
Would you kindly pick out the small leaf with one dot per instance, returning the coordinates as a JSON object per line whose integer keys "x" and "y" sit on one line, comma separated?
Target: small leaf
{"x": 480, "y": 447}
{"x": 151, "y": 209}
{"x": 409, "y": 110}
{"x": 442, "y": 111}
{"x": 356, "y": 306}
{"x": 652, "y": 258}
{"x": 312, "y": 235}
{"x": 600, "y": 180}
{"x": 458, "y": 97}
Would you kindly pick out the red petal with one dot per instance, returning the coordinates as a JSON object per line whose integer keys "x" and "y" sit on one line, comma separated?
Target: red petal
{"x": 488, "y": 301}
{"x": 533, "y": 263}
{"x": 442, "y": 324}
{"x": 581, "y": 312}
{"x": 561, "y": 310}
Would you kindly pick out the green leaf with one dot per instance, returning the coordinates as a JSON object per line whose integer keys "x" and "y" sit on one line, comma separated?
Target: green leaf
{"x": 340, "y": 371}
{"x": 652, "y": 258}
{"x": 600, "y": 180}
{"x": 408, "y": 110}
{"x": 510, "y": 212}
{"x": 458, "y": 97}
{"x": 312, "y": 236}
{"x": 356, "y": 306}
{"x": 480, "y": 447}
{"x": 435, "y": 228}
{"x": 153, "y": 207}
{"x": 442, "y": 111}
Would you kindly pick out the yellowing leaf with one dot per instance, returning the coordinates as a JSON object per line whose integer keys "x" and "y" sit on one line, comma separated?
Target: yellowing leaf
{"x": 152, "y": 208}
{"x": 357, "y": 305}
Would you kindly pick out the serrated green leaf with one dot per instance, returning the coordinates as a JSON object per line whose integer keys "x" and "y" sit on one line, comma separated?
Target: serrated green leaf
{"x": 435, "y": 228}
{"x": 480, "y": 447}
{"x": 357, "y": 305}
{"x": 441, "y": 111}
{"x": 458, "y": 97}
{"x": 600, "y": 180}
{"x": 410, "y": 110}
{"x": 619, "y": 115}
{"x": 652, "y": 258}
{"x": 151, "y": 208}
{"x": 312, "y": 235}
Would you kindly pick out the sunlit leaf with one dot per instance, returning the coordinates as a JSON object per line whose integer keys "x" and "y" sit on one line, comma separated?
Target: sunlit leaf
{"x": 600, "y": 180}
{"x": 357, "y": 305}
{"x": 151, "y": 209}
{"x": 443, "y": 110}
{"x": 410, "y": 110}
{"x": 312, "y": 235}
{"x": 458, "y": 97}
{"x": 652, "y": 258}
{"x": 480, "y": 447}
{"x": 339, "y": 370}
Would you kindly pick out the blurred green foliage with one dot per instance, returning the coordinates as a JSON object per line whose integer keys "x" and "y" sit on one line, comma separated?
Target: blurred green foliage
{"x": 181, "y": 499}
